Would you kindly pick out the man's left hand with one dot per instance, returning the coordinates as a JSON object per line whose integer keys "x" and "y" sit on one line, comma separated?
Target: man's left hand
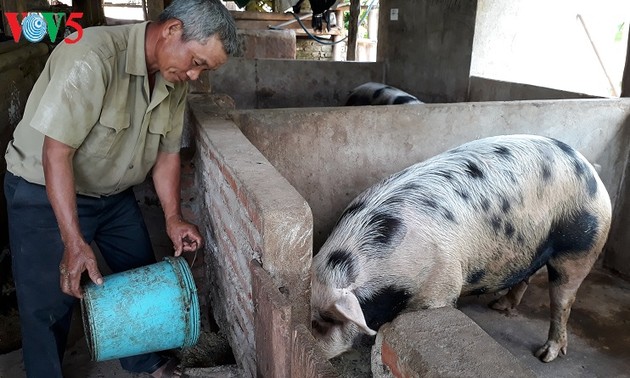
{"x": 185, "y": 236}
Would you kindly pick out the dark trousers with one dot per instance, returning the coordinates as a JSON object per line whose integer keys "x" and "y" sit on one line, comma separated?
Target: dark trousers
{"x": 114, "y": 223}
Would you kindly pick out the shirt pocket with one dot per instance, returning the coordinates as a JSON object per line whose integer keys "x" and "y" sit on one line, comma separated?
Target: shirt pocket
{"x": 106, "y": 133}
{"x": 159, "y": 127}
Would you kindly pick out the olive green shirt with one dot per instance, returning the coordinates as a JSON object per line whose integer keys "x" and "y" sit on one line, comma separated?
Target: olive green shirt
{"x": 94, "y": 96}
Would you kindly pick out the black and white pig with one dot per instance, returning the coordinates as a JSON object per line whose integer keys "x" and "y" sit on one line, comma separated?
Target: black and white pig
{"x": 379, "y": 94}
{"x": 479, "y": 218}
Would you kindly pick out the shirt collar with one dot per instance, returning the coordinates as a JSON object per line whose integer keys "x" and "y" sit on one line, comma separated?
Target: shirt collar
{"x": 136, "y": 58}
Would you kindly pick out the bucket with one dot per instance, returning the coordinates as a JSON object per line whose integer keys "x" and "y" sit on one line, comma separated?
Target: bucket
{"x": 148, "y": 309}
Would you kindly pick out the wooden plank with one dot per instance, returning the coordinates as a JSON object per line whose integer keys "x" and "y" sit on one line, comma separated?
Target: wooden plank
{"x": 269, "y": 16}
{"x": 353, "y": 29}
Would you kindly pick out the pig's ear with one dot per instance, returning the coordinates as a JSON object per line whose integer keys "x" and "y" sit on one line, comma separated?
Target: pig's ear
{"x": 347, "y": 307}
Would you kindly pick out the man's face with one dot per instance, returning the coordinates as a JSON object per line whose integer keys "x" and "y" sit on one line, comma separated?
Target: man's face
{"x": 180, "y": 61}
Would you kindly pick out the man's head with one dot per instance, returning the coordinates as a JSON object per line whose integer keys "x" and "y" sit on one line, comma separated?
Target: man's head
{"x": 193, "y": 36}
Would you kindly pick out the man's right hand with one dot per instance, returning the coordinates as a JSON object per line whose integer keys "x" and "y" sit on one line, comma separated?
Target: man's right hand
{"x": 77, "y": 258}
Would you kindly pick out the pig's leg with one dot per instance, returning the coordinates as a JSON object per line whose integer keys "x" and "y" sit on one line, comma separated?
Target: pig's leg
{"x": 565, "y": 277}
{"x": 513, "y": 297}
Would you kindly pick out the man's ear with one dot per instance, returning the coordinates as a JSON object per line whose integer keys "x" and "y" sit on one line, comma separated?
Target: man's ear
{"x": 172, "y": 27}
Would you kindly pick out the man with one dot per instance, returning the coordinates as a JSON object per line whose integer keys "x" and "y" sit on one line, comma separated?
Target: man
{"x": 104, "y": 112}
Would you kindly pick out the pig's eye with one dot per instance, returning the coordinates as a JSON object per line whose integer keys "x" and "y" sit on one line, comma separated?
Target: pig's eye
{"x": 326, "y": 318}
{"x": 319, "y": 328}
{"x": 315, "y": 325}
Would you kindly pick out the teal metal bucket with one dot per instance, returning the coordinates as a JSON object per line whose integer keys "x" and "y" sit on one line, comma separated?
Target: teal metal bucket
{"x": 148, "y": 309}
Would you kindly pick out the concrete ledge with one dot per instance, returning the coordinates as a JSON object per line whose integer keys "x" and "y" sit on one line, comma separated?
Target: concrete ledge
{"x": 307, "y": 360}
{"x": 440, "y": 342}
{"x": 248, "y": 211}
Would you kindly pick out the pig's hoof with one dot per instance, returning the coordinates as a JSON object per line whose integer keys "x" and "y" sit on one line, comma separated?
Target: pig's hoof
{"x": 550, "y": 351}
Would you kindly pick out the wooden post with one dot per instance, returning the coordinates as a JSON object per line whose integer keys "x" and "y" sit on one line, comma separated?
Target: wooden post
{"x": 154, "y": 8}
{"x": 353, "y": 29}
{"x": 93, "y": 13}
{"x": 145, "y": 14}
{"x": 625, "y": 81}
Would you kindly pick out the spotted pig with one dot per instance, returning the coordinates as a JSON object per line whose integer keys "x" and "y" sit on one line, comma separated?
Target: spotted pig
{"x": 479, "y": 218}
{"x": 379, "y": 94}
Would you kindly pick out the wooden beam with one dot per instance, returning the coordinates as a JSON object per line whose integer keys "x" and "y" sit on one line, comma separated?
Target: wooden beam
{"x": 353, "y": 29}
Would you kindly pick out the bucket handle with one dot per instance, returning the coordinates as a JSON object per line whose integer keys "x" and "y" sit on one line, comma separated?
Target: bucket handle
{"x": 194, "y": 258}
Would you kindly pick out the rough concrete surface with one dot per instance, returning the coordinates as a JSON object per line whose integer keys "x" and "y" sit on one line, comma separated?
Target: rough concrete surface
{"x": 440, "y": 342}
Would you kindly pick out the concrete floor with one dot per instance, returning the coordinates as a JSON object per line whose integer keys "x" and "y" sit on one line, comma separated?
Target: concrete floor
{"x": 599, "y": 327}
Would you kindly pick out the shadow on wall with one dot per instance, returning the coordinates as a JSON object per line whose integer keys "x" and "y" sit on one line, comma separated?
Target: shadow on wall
{"x": 617, "y": 256}
{"x": 484, "y": 89}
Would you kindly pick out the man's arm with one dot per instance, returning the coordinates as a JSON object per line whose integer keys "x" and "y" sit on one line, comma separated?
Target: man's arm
{"x": 166, "y": 176}
{"x": 78, "y": 256}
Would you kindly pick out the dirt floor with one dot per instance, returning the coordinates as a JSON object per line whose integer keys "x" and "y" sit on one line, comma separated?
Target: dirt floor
{"x": 209, "y": 358}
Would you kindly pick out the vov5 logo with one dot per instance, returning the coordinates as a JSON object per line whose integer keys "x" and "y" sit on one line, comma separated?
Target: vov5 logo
{"x": 35, "y": 26}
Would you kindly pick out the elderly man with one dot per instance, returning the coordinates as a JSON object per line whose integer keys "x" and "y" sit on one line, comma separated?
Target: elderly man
{"x": 104, "y": 112}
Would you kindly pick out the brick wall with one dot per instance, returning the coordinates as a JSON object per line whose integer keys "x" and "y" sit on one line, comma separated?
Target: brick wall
{"x": 253, "y": 221}
{"x": 308, "y": 49}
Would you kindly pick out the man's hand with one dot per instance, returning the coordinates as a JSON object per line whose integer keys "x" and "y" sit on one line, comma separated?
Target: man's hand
{"x": 77, "y": 258}
{"x": 185, "y": 236}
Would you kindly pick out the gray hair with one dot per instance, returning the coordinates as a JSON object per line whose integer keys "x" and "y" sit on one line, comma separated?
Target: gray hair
{"x": 202, "y": 19}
